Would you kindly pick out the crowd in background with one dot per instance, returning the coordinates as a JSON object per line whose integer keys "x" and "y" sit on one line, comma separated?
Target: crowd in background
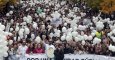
{"x": 37, "y": 26}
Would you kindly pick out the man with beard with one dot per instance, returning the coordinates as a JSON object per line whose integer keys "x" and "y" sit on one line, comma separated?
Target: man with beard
{"x": 59, "y": 52}
{"x": 22, "y": 50}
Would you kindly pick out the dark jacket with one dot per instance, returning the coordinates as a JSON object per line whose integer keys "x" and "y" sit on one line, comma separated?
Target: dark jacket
{"x": 68, "y": 50}
{"x": 59, "y": 54}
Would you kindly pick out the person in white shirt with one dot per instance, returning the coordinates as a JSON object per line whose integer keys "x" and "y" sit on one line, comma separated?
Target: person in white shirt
{"x": 47, "y": 46}
{"x": 22, "y": 50}
{"x": 49, "y": 50}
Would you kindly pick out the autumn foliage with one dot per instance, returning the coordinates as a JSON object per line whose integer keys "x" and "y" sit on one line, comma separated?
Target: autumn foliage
{"x": 108, "y": 6}
{"x": 4, "y": 2}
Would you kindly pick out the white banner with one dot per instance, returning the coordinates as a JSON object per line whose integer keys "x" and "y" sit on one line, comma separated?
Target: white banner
{"x": 70, "y": 57}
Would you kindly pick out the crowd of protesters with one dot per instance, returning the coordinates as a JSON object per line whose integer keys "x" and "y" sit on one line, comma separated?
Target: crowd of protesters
{"x": 48, "y": 25}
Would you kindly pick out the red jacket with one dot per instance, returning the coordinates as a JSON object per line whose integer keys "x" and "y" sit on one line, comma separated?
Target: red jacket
{"x": 38, "y": 50}
{"x": 29, "y": 50}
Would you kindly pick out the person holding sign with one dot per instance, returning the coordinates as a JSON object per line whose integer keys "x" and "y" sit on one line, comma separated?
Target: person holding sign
{"x": 49, "y": 50}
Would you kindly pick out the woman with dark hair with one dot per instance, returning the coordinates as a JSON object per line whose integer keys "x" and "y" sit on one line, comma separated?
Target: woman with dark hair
{"x": 38, "y": 48}
{"x": 30, "y": 49}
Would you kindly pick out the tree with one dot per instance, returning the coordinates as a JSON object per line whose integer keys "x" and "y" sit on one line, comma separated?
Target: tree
{"x": 4, "y": 2}
{"x": 94, "y": 4}
{"x": 108, "y": 6}
{"x": 13, "y": 2}
{"x": 74, "y": 1}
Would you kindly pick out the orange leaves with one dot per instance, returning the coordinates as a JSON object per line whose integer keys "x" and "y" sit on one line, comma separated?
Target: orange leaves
{"x": 4, "y": 2}
{"x": 12, "y": 2}
{"x": 113, "y": 7}
{"x": 108, "y": 6}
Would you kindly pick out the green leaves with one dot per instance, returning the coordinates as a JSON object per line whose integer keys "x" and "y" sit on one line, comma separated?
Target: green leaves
{"x": 94, "y": 3}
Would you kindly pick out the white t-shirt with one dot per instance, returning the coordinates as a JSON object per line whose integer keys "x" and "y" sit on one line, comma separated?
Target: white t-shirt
{"x": 47, "y": 46}
{"x": 49, "y": 50}
{"x": 22, "y": 49}
{"x": 22, "y": 52}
